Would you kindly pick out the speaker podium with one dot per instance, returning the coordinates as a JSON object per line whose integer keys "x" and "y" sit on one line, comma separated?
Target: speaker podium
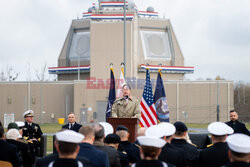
{"x": 130, "y": 123}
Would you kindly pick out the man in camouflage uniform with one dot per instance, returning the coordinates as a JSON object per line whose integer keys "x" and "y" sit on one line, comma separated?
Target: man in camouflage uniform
{"x": 127, "y": 106}
{"x": 32, "y": 133}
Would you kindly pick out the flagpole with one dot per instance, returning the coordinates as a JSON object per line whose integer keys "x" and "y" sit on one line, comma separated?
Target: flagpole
{"x": 124, "y": 57}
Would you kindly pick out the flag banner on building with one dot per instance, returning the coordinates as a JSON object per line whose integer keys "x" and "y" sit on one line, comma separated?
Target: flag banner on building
{"x": 160, "y": 100}
{"x": 111, "y": 98}
{"x": 120, "y": 84}
{"x": 147, "y": 107}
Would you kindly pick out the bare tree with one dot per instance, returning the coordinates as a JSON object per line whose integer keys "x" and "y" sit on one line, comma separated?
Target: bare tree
{"x": 9, "y": 74}
{"x": 242, "y": 100}
{"x": 40, "y": 74}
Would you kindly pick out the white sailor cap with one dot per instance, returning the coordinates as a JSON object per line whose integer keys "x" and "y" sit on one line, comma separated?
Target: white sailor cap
{"x": 239, "y": 143}
{"x": 219, "y": 129}
{"x": 13, "y": 134}
{"x": 20, "y": 124}
{"x": 108, "y": 128}
{"x": 69, "y": 136}
{"x": 154, "y": 131}
{"x": 151, "y": 141}
{"x": 28, "y": 113}
{"x": 167, "y": 129}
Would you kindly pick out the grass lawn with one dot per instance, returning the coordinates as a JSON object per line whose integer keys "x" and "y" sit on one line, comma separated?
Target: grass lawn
{"x": 50, "y": 128}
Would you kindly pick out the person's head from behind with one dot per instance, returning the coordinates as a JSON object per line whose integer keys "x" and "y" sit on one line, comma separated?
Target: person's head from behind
{"x": 1, "y": 132}
{"x": 12, "y": 125}
{"x": 167, "y": 129}
{"x": 181, "y": 129}
{"x": 71, "y": 118}
{"x": 122, "y": 132}
{"x": 112, "y": 140}
{"x": 150, "y": 147}
{"x": 219, "y": 131}
{"x": 67, "y": 143}
{"x": 233, "y": 115}
{"x": 126, "y": 90}
{"x": 99, "y": 132}
{"x": 13, "y": 134}
{"x": 239, "y": 148}
{"x": 89, "y": 134}
{"x": 141, "y": 131}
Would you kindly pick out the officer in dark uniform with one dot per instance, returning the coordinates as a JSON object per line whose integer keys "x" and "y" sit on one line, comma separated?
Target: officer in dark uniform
{"x": 189, "y": 151}
{"x": 151, "y": 145}
{"x": 113, "y": 140}
{"x": 32, "y": 133}
{"x": 132, "y": 150}
{"x": 217, "y": 154}
{"x": 237, "y": 126}
{"x": 170, "y": 153}
{"x": 67, "y": 145}
{"x": 72, "y": 125}
{"x": 239, "y": 150}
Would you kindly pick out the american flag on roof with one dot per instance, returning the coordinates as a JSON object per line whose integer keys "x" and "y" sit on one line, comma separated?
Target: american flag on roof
{"x": 147, "y": 107}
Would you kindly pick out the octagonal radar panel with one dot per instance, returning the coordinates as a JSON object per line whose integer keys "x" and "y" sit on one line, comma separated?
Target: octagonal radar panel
{"x": 150, "y": 9}
{"x": 90, "y": 9}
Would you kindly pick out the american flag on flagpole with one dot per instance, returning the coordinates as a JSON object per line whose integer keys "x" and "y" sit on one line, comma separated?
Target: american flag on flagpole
{"x": 147, "y": 107}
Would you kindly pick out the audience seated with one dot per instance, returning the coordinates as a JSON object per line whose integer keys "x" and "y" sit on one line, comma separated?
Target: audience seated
{"x": 23, "y": 151}
{"x": 96, "y": 157}
{"x": 190, "y": 152}
{"x": 114, "y": 160}
{"x": 8, "y": 152}
{"x": 113, "y": 140}
{"x": 217, "y": 154}
{"x": 150, "y": 148}
{"x": 131, "y": 149}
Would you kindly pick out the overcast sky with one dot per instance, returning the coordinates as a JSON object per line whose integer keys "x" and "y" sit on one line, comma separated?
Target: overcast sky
{"x": 214, "y": 35}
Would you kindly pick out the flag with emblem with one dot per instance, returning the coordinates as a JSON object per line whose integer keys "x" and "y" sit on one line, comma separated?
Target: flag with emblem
{"x": 147, "y": 107}
{"x": 121, "y": 82}
{"x": 111, "y": 98}
{"x": 160, "y": 100}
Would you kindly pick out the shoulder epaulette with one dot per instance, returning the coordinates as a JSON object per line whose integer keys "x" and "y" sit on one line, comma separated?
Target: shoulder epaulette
{"x": 124, "y": 152}
{"x": 137, "y": 145}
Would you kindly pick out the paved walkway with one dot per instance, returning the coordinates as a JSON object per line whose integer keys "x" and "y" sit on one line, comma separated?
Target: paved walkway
{"x": 197, "y": 130}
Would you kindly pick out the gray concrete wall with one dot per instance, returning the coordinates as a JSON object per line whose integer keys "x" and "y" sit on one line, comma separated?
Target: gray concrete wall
{"x": 197, "y": 98}
{"x": 51, "y": 97}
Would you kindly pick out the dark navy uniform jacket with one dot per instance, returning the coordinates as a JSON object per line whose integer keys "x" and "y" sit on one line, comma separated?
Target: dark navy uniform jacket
{"x": 172, "y": 154}
{"x": 152, "y": 163}
{"x": 132, "y": 151}
{"x": 45, "y": 161}
{"x": 123, "y": 159}
{"x": 190, "y": 152}
{"x": 237, "y": 164}
{"x": 96, "y": 157}
{"x": 114, "y": 159}
{"x": 75, "y": 127}
{"x": 8, "y": 152}
{"x": 214, "y": 156}
{"x": 238, "y": 127}
{"x": 66, "y": 162}
{"x": 23, "y": 151}
{"x": 31, "y": 132}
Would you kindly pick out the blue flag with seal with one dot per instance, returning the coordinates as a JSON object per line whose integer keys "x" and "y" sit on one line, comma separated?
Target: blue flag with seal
{"x": 160, "y": 100}
{"x": 111, "y": 98}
